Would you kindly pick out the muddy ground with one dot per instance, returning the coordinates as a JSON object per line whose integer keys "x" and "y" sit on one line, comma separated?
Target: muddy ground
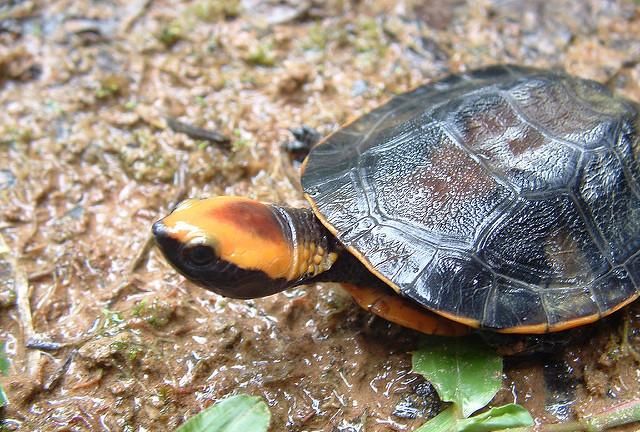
{"x": 103, "y": 335}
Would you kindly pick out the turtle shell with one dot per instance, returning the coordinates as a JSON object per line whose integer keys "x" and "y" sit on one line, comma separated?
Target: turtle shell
{"x": 505, "y": 198}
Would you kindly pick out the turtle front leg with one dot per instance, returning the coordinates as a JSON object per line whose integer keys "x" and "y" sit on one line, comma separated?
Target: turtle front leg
{"x": 626, "y": 347}
{"x": 392, "y": 307}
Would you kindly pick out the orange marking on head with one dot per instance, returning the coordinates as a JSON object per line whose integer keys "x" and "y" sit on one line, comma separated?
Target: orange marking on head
{"x": 242, "y": 231}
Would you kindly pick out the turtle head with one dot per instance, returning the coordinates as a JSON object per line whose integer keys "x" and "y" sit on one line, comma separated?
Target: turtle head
{"x": 233, "y": 246}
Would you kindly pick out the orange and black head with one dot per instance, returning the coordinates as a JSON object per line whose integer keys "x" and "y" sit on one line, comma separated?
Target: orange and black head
{"x": 233, "y": 246}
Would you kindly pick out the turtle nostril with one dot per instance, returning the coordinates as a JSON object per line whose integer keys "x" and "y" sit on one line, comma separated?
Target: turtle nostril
{"x": 158, "y": 229}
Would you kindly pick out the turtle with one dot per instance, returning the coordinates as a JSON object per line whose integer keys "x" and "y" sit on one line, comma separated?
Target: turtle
{"x": 504, "y": 199}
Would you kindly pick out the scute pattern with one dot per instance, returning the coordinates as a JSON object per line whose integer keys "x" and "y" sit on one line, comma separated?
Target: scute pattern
{"x": 514, "y": 304}
{"x": 445, "y": 176}
{"x": 565, "y": 304}
{"x": 611, "y": 204}
{"x": 395, "y": 253}
{"x": 506, "y": 196}
{"x": 565, "y": 118}
{"x": 488, "y": 126}
{"x": 544, "y": 243}
{"x": 613, "y": 288}
{"x": 627, "y": 149}
{"x": 463, "y": 284}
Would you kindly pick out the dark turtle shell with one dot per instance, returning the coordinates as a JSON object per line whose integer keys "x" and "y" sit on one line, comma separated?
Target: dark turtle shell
{"x": 505, "y": 198}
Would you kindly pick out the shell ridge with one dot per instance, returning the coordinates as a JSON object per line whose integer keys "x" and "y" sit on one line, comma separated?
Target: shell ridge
{"x": 544, "y": 302}
{"x": 633, "y": 184}
{"x": 488, "y": 228}
{"x": 535, "y": 125}
{"x": 573, "y": 183}
{"x": 372, "y": 129}
{"x": 456, "y": 139}
{"x": 589, "y": 107}
{"x": 635, "y": 279}
{"x": 409, "y": 229}
{"x": 346, "y": 236}
{"x": 497, "y": 274}
{"x": 593, "y": 230}
{"x": 490, "y": 303}
{"x": 500, "y": 209}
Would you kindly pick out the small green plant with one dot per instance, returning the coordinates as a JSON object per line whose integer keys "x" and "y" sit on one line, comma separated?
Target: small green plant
{"x": 240, "y": 141}
{"x": 112, "y": 323}
{"x": 240, "y": 413}
{"x": 130, "y": 350}
{"x": 215, "y": 10}
{"x": 110, "y": 86}
{"x": 4, "y": 370}
{"x": 130, "y": 105}
{"x": 171, "y": 34}
{"x": 317, "y": 38}
{"x": 156, "y": 313}
{"x": 261, "y": 54}
{"x": 468, "y": 374}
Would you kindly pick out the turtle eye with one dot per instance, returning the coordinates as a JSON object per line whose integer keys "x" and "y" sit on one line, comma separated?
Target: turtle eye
{"x": 200, "y": 255}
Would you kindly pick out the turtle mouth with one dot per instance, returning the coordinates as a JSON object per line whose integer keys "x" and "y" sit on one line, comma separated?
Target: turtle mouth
{"x": 159, "y": 230}
{"x": 169, "y": 246}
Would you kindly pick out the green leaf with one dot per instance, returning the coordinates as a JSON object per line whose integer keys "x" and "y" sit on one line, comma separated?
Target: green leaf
{"x": 443, "y": 422}
{"x": 4, "y": 362}
{"x": 463, "y": 370}
{"x": 4, "y": 369}
{"x": 504, "y": 417}
{"x": 3, "y": 398}
{"x": 241, "y": 413}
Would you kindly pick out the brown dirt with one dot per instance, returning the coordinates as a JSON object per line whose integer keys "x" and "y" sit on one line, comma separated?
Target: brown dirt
{"x": 87, "y": 163}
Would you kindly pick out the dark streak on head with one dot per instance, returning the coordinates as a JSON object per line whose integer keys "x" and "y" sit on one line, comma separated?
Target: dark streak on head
{"x": 254, "y": 216}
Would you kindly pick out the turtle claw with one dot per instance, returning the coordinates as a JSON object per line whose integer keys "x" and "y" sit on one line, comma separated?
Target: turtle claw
{"x": 626, "y": 347}
{"x": 619, "y": 345}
